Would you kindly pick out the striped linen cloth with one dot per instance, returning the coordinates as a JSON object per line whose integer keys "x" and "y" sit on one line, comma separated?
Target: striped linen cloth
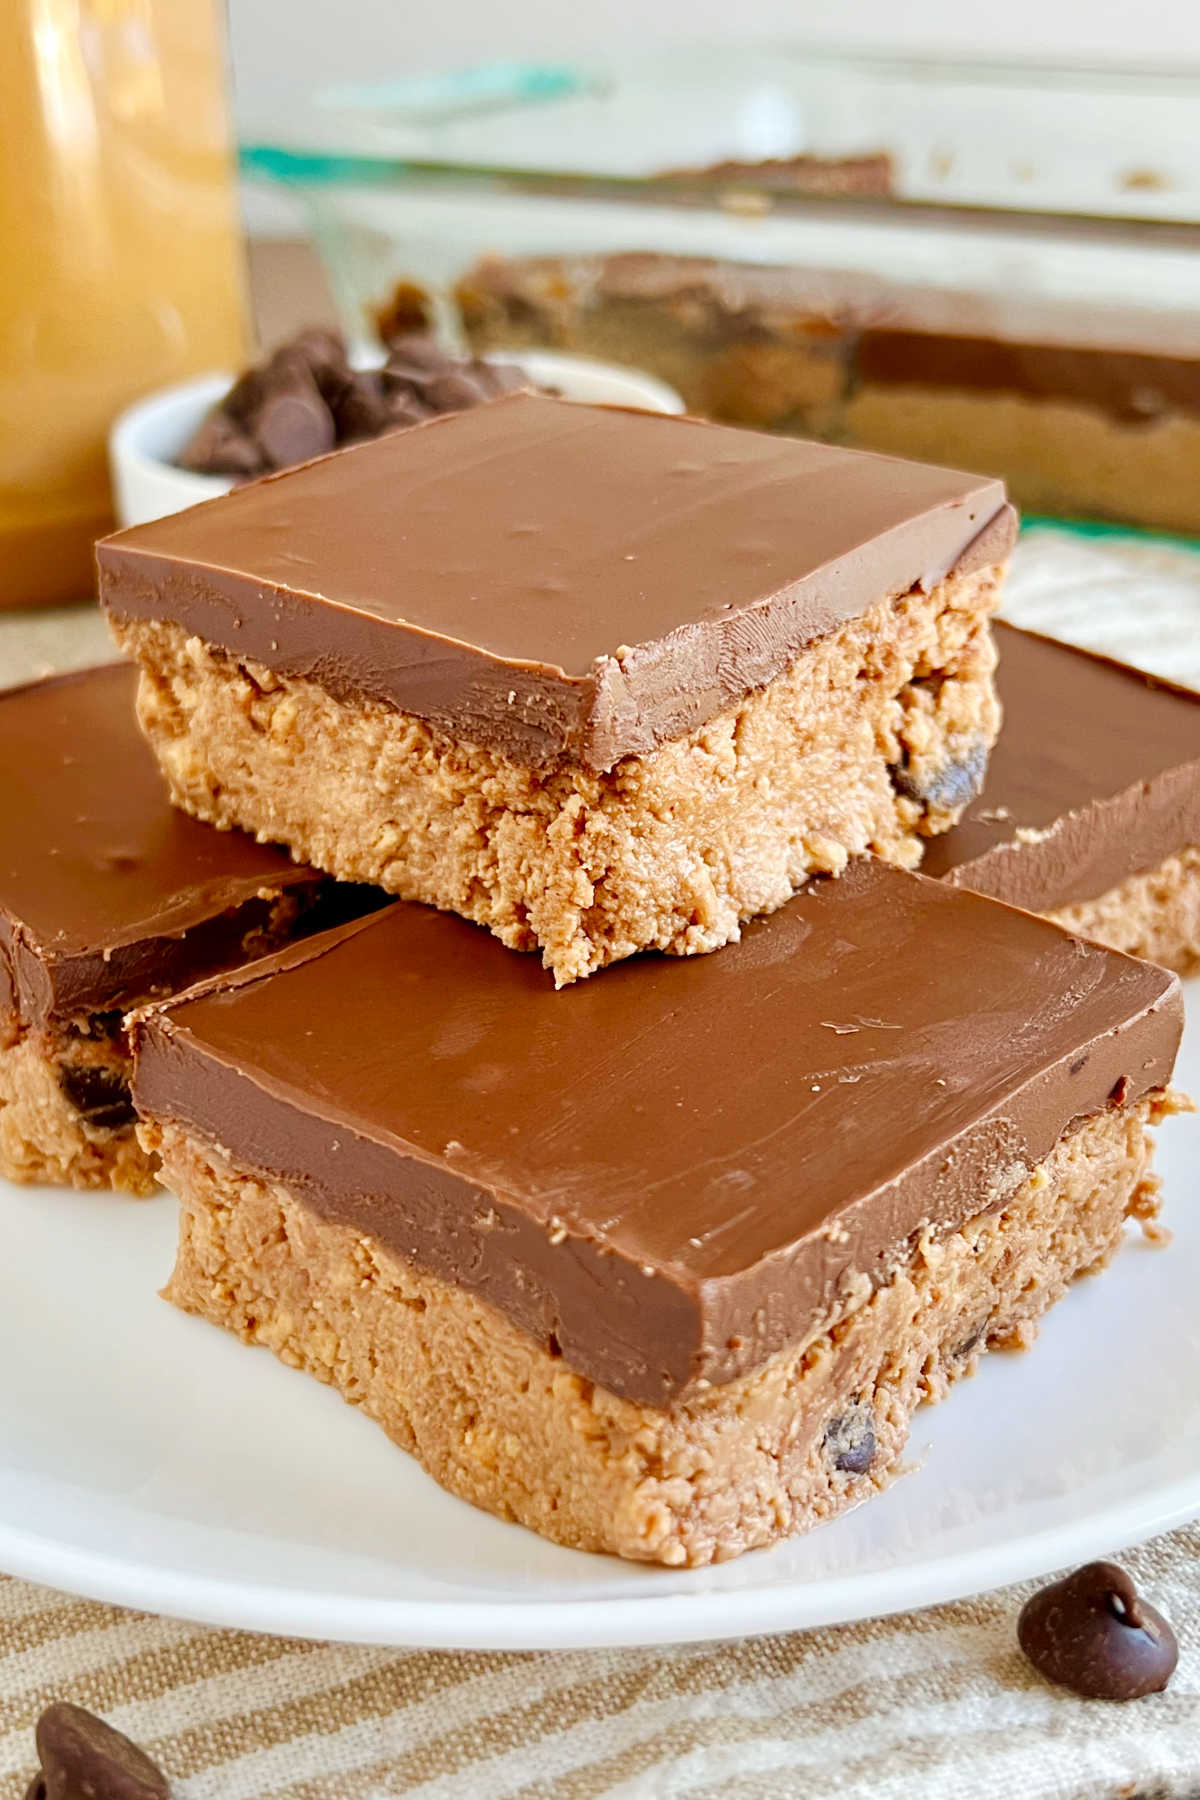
{"x": 938, "y": 1705}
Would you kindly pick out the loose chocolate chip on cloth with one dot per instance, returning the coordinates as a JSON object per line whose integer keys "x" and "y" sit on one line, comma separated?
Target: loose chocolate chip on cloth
{"x": 939, "y": 1704}
{"x": 83, "y": 1758}
{"x": 1093, "y": 1633}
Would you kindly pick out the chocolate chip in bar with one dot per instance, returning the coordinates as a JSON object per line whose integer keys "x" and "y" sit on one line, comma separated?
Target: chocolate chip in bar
{"x": 83, "y": 1758}
{"x": 100, "y": 1096}
{"x": 1093, "y": 1633}
{"x": 850, "y": 1440}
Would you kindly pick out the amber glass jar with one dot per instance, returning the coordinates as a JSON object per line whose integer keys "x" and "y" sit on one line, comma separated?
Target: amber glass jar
{"x": 120, "y": 254}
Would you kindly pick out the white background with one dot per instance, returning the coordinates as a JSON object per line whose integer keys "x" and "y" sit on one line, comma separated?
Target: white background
{"x": 285, "y": 48}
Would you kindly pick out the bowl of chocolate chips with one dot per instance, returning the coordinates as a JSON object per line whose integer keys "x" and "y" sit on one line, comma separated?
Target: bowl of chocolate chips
{"x": 198, "y": 439}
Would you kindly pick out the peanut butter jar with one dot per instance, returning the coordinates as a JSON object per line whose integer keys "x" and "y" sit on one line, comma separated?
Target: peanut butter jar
{"x": 120, "y": 255}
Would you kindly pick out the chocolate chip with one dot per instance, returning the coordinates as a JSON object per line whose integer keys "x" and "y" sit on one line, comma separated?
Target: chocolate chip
{"x": 100, "y": 1096}
{"x": 82, "y": 1758}
{"x": 36, "y": 1789}
{"x": 507, "y": 378}
{"x": 453, "y": 390}
{"x": 306, "y": 399}
{"x": 294, "y": 426}
{"x": 323, "y": 353}
{"x": 221, "y": 446}
{"x": 361, "y": 408}
{"x": 952, "y": 784}
{"x": 1091, "y": 1632}
{"x": 850, "y": 1440}
{"x": 407, "y": 408}
{"x": 417, "y": 351}
{"x": 246, "y": 395}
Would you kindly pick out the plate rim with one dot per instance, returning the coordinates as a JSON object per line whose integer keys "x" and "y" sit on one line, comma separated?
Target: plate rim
{"x": 576, "y": 1623}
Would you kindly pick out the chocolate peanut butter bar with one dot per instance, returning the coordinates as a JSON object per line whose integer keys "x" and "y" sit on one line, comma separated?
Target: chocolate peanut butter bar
{"x": 109, "y": 897}
{"x": 1091, "y": 810}
{"x": 1085, "y": 408}
{"x": 663, "y": 1264}
{"x": 600, "y": 680}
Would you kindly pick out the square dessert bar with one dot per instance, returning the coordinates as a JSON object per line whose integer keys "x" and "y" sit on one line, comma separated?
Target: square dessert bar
{"x": 600, "y": 680}
{"x": 663, "y": 1264}
{"x": 1091, "y": 809}
{"x": 109, "y": 897}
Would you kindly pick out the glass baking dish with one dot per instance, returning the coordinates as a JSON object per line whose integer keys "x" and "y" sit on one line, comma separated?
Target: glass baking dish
{"x": 778, "y": 197}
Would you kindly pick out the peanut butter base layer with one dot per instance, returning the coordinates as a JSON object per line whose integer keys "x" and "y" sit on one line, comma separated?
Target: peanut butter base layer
{"x": 876, "y": 736}
{"x": 503, "y": 1424}
{"x": 66, "y": 1116}
{"x": 1154, "y": 915}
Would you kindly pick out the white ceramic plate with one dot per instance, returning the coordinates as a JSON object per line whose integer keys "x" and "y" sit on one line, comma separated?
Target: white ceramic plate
{"x": 146, "y": 1458}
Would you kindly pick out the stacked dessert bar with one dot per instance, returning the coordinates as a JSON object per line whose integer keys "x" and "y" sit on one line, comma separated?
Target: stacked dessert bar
{"x": 601, "y": 681}
{"x": 109, "y": 898}
{"x": 656, "y": 1258}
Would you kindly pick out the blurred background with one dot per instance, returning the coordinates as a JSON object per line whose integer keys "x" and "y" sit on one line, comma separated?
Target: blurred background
{"x": 278, "y": 44}
{"x": 969, "y": 235}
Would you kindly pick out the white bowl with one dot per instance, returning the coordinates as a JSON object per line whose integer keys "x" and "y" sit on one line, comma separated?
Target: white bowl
{"x": 147, "y": 484}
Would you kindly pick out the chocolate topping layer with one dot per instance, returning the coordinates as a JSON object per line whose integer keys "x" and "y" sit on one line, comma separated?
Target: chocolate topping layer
{"x": 1096, "y": 777}
{"x": 551, "y": 579}
{"x": 1131, "y": 362}
{"x": 108, "y": 895}
{"x": 666, "y": 1174}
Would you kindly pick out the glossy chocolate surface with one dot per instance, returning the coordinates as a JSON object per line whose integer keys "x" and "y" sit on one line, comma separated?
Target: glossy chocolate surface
{"x": 108, "y": 895}
{"x": 1096, "y": 777}
{"x": 666, "y": 1174}
{"x": 550, "y": 579}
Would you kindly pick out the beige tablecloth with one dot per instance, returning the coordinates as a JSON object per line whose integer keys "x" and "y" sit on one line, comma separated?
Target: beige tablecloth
{"x": 936, "y": 1706}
